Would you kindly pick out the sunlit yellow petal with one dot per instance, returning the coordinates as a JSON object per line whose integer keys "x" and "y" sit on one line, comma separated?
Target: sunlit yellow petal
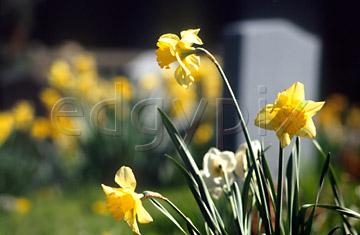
{"x": 284, "y": 138}
{"x": 295, "y": 92}
{"x": 311, "y": 107}
{"x": 130, "y": 218}
{"x": 308, "y": 131}
{"x": 183, "y": 77}
{"x": 265, "y": 118}
{"x": 192, "y": 62}
{"x": 125, "y": 178}
{"x": 164, "y": 57}
{"x": 108, "y": 190}
{"x": 190, "y": 36}
{"x": 170, "y": 39}
{"x": 142, "y": 215}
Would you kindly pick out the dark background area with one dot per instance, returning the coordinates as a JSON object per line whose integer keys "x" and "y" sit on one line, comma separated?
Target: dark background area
{"x": 137, "y": 25}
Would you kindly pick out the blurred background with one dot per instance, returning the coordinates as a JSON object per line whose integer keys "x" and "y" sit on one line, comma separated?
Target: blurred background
{"x": 50, "y": 49}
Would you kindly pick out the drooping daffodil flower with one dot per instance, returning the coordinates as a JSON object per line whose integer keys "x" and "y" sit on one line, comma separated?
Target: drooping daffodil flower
{"x": 172, "y": 48}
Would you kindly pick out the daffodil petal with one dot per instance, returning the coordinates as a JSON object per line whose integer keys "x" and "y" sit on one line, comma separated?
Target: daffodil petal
{"x": 192, "y": 62}
{"x": 130, "y": 218}
{"x": 183, "y": 77}
{"x": 284, "y": 138}
{"x": 265, "y": 117}
{"x": 308, "y": 131}
{"x": 114, "y": 206}
{"x": 170, "y": 39}
{"x": 190, "y": 36}
{"x": 311, "y": 107}
{"x": 142, "y": 215}
{"x": 108, "y": 190}
{"x": 295, "y": 92}
{"x": 125, "y": 178}
{"x": 164, "y": 57}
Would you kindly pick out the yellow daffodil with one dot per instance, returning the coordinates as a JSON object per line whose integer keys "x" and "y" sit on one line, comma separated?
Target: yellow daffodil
{"x": 124, "y": 202}
{"x": 6, "y": 125}
{"x": 22, "y": 205}
{"x": 124, "y": 88}
{"x": 172, "y": 49}
{"x": 49, "y": 97}
{"x": 41, "y": 128}
{"x": 85, "y": 62}
{"x": 203, "y": 133}
{"x": 23, "y": 114}
{"x": 290, "y": 115}
{"x": 61, "y": 75}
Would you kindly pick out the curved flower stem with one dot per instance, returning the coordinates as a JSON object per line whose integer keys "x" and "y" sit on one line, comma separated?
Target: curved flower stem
{"x": 268, "y": 226}
{"x": 152, "y": 195}
{"x": 203, "y": 51}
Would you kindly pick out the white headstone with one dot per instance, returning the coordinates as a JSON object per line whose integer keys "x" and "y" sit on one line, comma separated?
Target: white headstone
{"x": 270, "y": 56}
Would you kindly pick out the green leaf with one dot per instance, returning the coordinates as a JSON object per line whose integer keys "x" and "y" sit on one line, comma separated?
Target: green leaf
{"x": 167, "y": 214}
{"x": 245, "y": 189}
{"x": 334, "y": 230}
{"x": 269, "y": 179}
{"x": 290, "y": 189}
{"x": 322, "y": 178}
{"x": 338, "y": 199}
{"x": 205, "y": 202}
{"x": 342, "y": 210}
{"x": 278, "y": 211}
{"x": 261, "y": 196}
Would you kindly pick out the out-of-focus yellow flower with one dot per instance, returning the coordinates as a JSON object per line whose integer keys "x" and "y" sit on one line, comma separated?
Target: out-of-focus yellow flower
{"x": 210, "y": 81}
{"x": 60, "y": 75}
{"x": 149, "y": 82}
{"x": 353, "y": 118}
{"x": 99, "y": 207}
{"x": 22, "y": 205}
{"x": 172, "y": 49}
{"x": 290, "y": 115}
{"x": 49, "y": 97}
{"x": 6, "y": 125}
{"x": 124, "y": 202}
{"x": 64, "y": 142}
{"x": 331, "y": 114}
{"x": 23, "y": 114}
{"x": 41, "y": 128}
{"x": 125, "y": 87}
{"x": 203, "y": 133}
{"x": 106, "y": 233}
{"x": 85, "y": 62}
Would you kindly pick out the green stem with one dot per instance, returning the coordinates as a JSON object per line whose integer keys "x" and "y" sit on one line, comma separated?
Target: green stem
{"x": 279, "y": 191}
{"x": 202, "y": 51}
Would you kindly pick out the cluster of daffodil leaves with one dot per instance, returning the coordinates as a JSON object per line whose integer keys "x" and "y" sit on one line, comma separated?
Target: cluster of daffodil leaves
{"x": 242, "y": 177}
